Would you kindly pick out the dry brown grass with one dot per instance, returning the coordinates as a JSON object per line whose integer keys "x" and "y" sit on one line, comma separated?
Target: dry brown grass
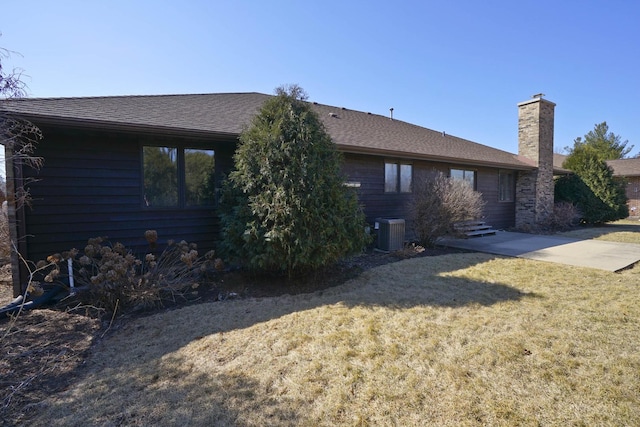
{"x": 626, "y": 231}
{"x": 466, "y": 339}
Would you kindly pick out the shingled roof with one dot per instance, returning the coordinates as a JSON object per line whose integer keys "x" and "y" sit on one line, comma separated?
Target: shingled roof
{"x": 625, "y": 167}
{"x": 227, "y": 114}
{"x": 621, "y": 167}
{"x": 558, "y": 160}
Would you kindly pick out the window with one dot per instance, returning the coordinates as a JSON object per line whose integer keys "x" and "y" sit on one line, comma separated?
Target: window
{"x": 160, "y": 165}
{"x": 406, "y": 172}
{"x": 178, "y": 177}
{"x": 199, "y": 168}
{"x": 466, "y": 175}
{"x": 390, "y": 177}
{"x": 397, "y": 177}
{"x": 505, "y": 186}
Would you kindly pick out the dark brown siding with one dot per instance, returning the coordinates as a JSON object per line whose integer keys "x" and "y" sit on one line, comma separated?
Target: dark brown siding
{"x": 91, "y": 183}
{"x": 498, "y": 214}
{"x": 90, "y": 186}
{"x": 368, "y": 172}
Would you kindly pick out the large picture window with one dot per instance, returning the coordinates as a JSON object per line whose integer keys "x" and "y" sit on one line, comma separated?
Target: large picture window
{"x": 178, "y": 177}
{"x": 397, "y": 177}
{"x": 465, "y": 175}
{"x": 505, "y": 186}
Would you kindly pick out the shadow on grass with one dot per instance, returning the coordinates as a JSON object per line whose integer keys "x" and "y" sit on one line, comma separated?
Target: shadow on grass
{"x": 36, "y": 363}
{"x": 141, "y": 380}
{"x": 141, "y": 397}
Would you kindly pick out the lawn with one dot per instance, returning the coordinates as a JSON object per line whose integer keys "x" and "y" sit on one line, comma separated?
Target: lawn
{"x": 461, "y": 339}
{"x": 626, "y": 231}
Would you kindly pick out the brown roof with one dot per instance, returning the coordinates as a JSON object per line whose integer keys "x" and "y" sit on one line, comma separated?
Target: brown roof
{"x": 625, "y": 167}
{"x": 558, "y": 160}
{"x": 621, "y": 167}
{"x": 228, "y": 114}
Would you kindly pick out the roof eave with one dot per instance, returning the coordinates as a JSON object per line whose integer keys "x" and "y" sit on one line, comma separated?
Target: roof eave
{"x": 442, "y": 159}
{"x": 42, "y": 120}
{"x": 81, "y": 123}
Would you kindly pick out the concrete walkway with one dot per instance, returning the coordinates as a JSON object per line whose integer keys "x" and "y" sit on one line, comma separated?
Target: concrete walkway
{"x": 591, "y": 253}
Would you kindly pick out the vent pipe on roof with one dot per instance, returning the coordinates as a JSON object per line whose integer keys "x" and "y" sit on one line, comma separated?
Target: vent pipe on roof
{"x": 391, "y": 111}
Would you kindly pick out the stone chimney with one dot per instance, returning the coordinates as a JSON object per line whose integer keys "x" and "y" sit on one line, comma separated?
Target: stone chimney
{"x": 534, "y": 189}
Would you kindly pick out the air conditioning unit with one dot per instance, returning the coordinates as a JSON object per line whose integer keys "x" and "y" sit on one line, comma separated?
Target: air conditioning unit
{"x": 390, "y": 234}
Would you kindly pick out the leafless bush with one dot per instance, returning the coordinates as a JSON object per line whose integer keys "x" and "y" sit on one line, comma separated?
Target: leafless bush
{"x": 109, "y": 276}
{"x": 438, "y": 203}
{"x": 565, "y": 216}
{"x": 19, "y": 138}
{"x": 5, "y": 239}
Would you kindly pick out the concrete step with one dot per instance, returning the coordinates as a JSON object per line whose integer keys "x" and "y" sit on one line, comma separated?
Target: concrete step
{"x": 482, "y": 232}
{"x": 474, "y": 228}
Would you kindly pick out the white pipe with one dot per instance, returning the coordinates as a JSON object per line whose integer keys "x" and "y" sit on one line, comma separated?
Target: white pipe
{"x": 71, "y": 284}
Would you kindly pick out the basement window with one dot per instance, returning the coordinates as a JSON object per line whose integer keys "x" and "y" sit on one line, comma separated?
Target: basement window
{"x": 176, "y": 177}
{"x": 505, "y": 186}
{"x": 397, "y": 177}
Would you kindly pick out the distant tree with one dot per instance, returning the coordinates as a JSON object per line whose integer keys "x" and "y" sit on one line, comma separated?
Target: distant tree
{"x": 18, "y": 136}
{"x": 604, "y": 144}
{"x": 285, "y": 207}
{"x": 599, "y": 196}
{"x": 11, "y": 84}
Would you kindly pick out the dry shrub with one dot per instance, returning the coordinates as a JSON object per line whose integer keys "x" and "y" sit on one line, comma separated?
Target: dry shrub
{"x": 5, "y": 238}
{"x": 438, "y": 203}
{"x": 565, "y": 216}
{"x": 109, "y": 276}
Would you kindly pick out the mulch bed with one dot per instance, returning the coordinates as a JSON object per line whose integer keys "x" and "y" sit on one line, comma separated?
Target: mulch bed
{"x": 43, "y": 350}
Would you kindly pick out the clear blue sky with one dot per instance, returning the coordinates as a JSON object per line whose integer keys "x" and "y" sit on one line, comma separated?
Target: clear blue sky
{"x": 454, "y": 66}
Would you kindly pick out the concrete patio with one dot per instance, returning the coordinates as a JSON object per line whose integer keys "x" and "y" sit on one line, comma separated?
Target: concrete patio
{"x": 603, "y": 255}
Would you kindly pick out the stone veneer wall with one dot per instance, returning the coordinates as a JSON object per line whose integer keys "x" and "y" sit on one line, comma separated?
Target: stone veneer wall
{"x": 534, "y": 189}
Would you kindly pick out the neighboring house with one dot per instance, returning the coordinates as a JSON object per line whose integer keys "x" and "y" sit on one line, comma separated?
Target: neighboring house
{"x": 629, "y": 169}
{"x": 101, "y": 175}
{"x": 558, "y": 161}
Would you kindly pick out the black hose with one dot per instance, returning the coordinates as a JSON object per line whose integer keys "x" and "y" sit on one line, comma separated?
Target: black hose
{"x": 16, "y": 305}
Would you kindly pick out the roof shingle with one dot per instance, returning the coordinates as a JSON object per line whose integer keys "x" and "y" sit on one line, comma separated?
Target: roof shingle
{"x": 230, "y": 113}
{"x": 625, "y": 167}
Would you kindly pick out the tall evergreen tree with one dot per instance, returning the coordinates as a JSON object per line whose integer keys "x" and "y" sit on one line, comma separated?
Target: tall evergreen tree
{"x": 602, "y": 143}
{"x": 285, "y": 207}
{"x": 599, "y": 195}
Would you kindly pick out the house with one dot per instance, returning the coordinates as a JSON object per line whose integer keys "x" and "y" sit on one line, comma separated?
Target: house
{"x": 630, "y": 170}
{"x": 94, "y": 181}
